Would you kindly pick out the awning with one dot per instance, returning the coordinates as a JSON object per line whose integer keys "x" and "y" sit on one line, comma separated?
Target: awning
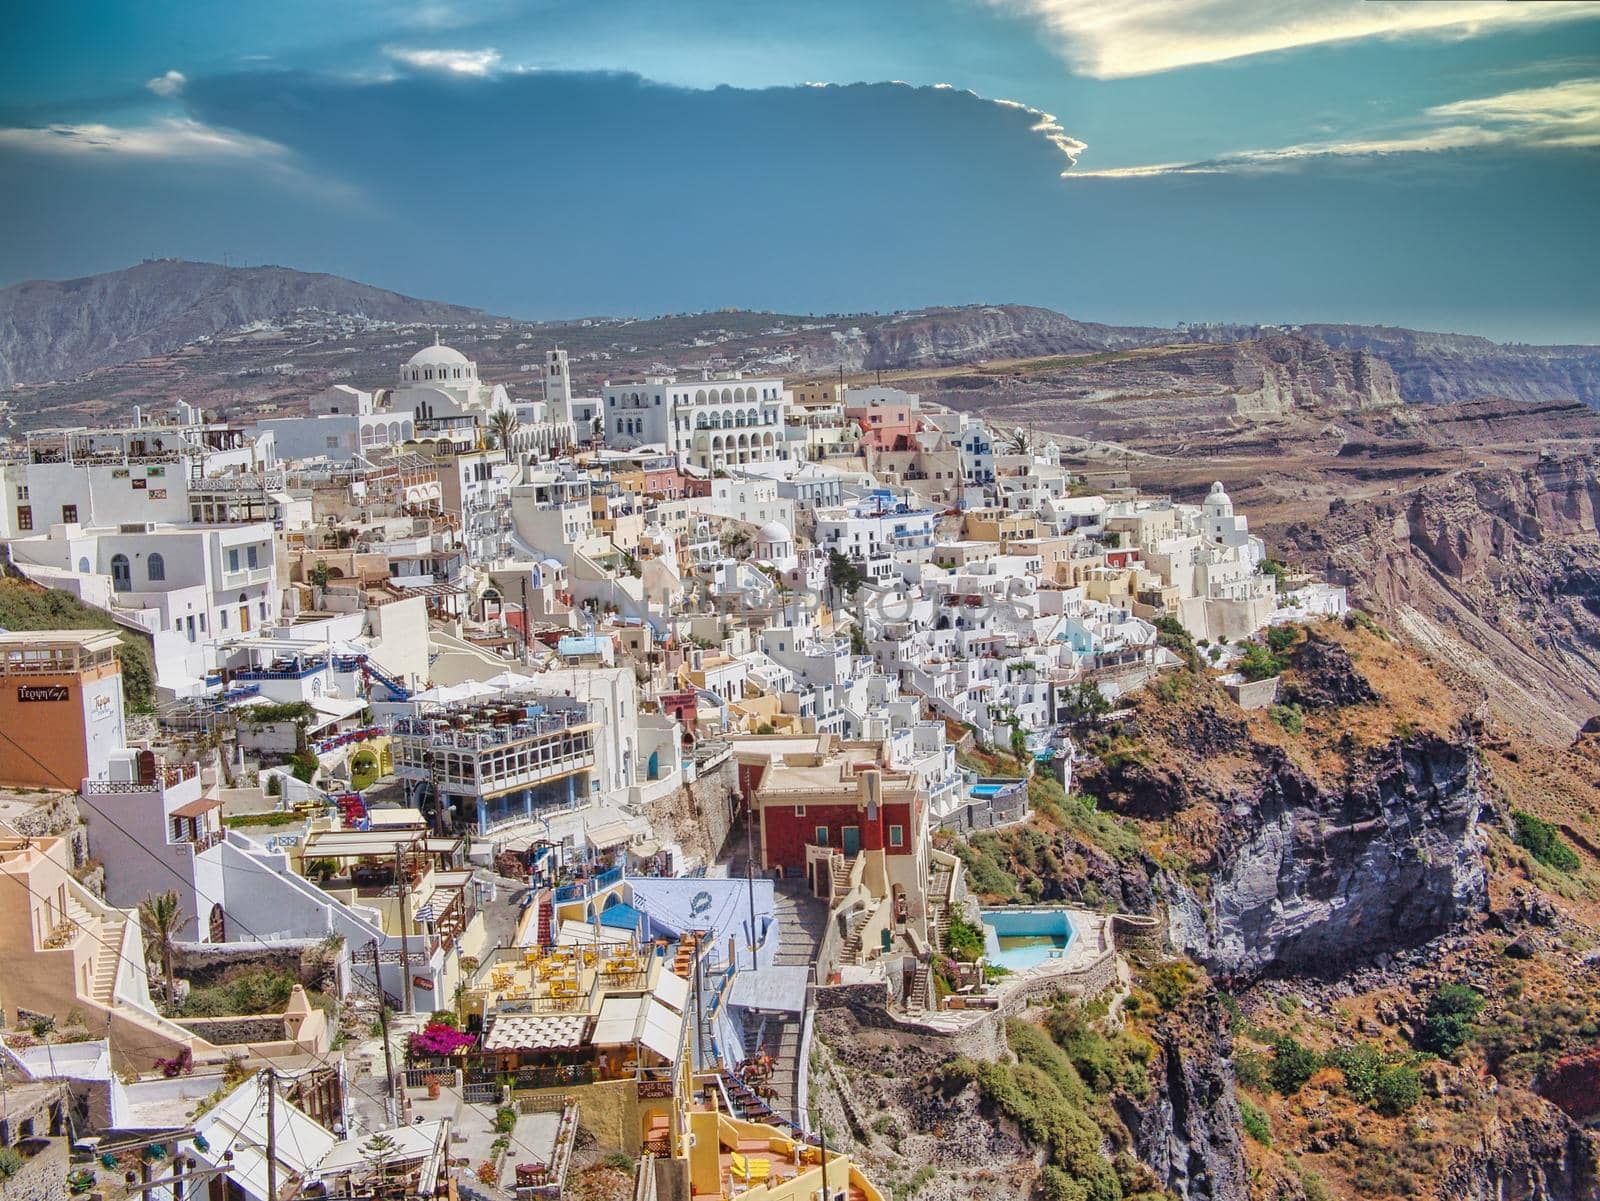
{"x": 196, "y": 808}
{"x": 663, "y": 1031}
{"x": 618, "y": 1022}
{"x": 556, "y": 1032}
{"x": 612, "y": 834}
{"x": 671, "y": 990}
{"x": 620, "y": 916}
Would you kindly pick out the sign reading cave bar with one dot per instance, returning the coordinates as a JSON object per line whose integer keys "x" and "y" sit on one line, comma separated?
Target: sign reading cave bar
{"x": 43, "y": 692}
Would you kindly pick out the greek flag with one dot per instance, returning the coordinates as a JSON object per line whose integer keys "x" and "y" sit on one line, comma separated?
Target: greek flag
{"x": 424, "y": 913}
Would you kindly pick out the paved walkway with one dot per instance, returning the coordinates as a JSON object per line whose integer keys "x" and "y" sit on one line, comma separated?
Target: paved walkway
{"x": 801, "y": 921}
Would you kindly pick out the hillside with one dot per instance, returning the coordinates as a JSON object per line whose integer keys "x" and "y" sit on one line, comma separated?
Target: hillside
{"x": 1377, "y": 980}
{"x": 57, "y": 330}
{"x": 259, "y": 339}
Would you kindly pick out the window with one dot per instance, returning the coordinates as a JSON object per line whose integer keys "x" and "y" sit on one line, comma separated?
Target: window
{"x": 155, "y": 567}
{"x": 24, "y": 517}
{"x": 821, "y": 833}
{"x": 22, "y": 492}
{"x": 250, "y": 556}
{"x": 69, "y": 513}
{"x": 897, "y": 836}
{"x": 799, "y": 810}
{"x": 233, "y": 558}
{"x": 223, "y": 614}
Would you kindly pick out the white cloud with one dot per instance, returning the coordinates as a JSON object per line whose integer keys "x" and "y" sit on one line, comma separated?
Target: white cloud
{"x": 1559, "y": 117}
{"x": 477, "y": 63}
{"x": 169, "y": 84}
{"x": 178, "y": 138}
{"x": 1142, "y": 37}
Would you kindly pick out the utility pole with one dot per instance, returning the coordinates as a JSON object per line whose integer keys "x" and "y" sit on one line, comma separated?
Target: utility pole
{"x": 402, "y": 885}
{"x": 525, "y": 619}
{"x": 270, "y": 1079}
{"x": 750, "y": 870}
{"x": 383, "y": 1022}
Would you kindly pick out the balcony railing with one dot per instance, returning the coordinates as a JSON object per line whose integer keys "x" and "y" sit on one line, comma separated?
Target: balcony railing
{"x": 166, "y": 777}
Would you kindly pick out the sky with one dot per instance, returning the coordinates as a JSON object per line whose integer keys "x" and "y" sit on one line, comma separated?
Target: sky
{"x": 1434, "y": 165}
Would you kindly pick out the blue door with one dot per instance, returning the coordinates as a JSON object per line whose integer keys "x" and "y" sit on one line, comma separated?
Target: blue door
{"x": 852, "y": 841}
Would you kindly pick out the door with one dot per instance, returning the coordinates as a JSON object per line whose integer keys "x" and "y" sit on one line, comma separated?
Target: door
{"x": 852, "y": 841}
{"x": 121, "y": 576}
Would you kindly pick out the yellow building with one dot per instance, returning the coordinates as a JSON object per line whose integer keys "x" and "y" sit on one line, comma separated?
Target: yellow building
{"x": 999, "y": 525}
{"x": 603, "y": 1022}
{"x": 729, "y": 1157}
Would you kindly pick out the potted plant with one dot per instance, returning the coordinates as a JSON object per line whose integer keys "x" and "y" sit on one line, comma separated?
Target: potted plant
{"x": 433, "y": 1085}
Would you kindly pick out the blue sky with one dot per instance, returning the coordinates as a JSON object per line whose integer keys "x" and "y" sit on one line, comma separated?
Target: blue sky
{"x": 1434, "y": 165}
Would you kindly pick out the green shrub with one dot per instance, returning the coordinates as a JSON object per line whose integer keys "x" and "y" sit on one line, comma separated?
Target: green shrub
{"x": 1447, "y": 1025}
{"x": 505, "y": 1119}
{"x": 11, "y": 1162}
{"x": 1397, "y": 1089}
{"x": 1292, "y": 1065}
{"x": 1544, "y": 842}
{"x": 1290, "y": 717}
{"x": 1169, "y": 983}
{"x": 1256, "y": 1122}
{"x": 1251, "y": 1069}
{"x": 254, "y": 990}
{"x": 1259, "y": 663}
{"x": 966, "y": 939}
{"x": 1315, "y": 1186}
{"x": 618, "y": 1161}
{"x": 1361, "y": 1065}
{"x": 1281, "y": 638}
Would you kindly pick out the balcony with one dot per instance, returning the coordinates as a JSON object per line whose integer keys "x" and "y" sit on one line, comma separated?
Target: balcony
{"x": 246, "y": 576}
{"x": 166, "y": 777}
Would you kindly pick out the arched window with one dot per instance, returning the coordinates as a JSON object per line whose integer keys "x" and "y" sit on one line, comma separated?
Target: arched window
{"x": 83, "y": 566}
{"x": 121, "y": 577}
{"x": 155, "y": 567}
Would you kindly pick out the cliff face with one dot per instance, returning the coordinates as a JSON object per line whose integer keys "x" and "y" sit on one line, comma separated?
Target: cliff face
{"x": 1278, "y": 375}
{"x": 1188, "y": 1131}
{"x": 1309, "y": 879}
{"x": 1496, "y": 571}
{"x": 1446, "y": 368}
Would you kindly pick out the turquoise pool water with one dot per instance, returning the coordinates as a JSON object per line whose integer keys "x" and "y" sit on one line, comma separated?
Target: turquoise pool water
{"x": 985, "y": 791}
{"x": 1022, "y": 938}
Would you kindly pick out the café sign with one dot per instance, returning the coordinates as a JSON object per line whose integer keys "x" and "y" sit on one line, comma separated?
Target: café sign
{"x": 43, "y": 692}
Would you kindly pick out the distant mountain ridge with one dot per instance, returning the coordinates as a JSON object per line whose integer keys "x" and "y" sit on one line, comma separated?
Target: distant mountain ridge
{"x": 62, "y": 329}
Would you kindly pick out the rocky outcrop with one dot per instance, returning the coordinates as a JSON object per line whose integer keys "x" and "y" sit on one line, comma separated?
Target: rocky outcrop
{"x": 1307, "y": 879}
{"x": 1534, "y": 1153}
{"x": 1326, "y": 678}
{"x": 1281, "y": 374}
{"x": 1188, "y": 1130}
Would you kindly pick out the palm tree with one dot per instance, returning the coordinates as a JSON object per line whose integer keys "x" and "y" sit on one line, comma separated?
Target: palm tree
{"x": 503, "y": 426}
{"x": 1018, "y": 442}
{"x": 161, "y": 919}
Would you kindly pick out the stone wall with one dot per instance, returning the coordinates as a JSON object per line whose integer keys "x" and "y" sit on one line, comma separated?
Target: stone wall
{"x": 982, "y": 1037}
{"x": 697, "y": 816}
{"x": 43, "y": 1175}
{"x": 56, "y": 814}
{"x": 234, "y": 1031}
{"x": 205, "y": 964}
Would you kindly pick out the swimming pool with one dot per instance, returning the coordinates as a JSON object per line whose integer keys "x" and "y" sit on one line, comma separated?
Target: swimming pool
{"x": 1022, "y": 938}
{"x": 985, "y": 791}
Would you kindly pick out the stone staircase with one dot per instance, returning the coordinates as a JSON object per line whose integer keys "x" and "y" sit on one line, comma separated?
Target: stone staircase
{"x": 842, "y": 868}
{"x": 917, "y": 1002}
{"x": 941, "y": 928}
{"x": 107, "y": 948}
{"x": 852, "y": 952}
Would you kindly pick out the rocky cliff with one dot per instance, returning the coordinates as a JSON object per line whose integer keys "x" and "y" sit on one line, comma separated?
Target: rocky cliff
{"x": 1188, "y": 1131}
{"x": 1444, "y": 368}
{"x": 1310, "y": 878}
{"x": 60, "y": 329}
{"x": 1495, "y": 571}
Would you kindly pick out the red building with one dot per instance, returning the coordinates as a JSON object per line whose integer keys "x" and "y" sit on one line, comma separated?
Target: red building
{"x": 818, "y": 800}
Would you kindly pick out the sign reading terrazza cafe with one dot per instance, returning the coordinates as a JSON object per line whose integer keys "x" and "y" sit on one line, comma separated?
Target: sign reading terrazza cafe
{"x": 43, "y": 692}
